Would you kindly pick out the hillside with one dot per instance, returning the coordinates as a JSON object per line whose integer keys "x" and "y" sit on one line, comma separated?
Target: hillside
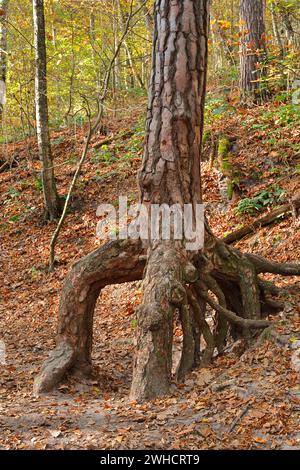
{"x": 245, "y": 400}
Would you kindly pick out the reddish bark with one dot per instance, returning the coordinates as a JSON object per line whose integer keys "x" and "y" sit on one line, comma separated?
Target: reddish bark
{"x": 253, "y": 51}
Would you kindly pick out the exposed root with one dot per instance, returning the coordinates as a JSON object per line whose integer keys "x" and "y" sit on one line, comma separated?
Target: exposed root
{"x": 204, "y": 328}
{"x": 263, "y": 265}
{"x": 54, "y": 368}
{"x": 271, "y": 306}
{"x": 187, "y": 360}
{"x": 221, "y": 329}
{"x": 233, "y": 318}
{"x": 174, "y": 280}
{"x": 267, "y": 288}
{"x": 115, "y": 262}
{"x": 168, "y": 270}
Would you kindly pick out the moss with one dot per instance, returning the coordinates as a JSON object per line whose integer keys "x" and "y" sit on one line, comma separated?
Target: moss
{"x": 233, "y": 183}
{"x": 230, "y": 188}
{"x": 226, "y": 166}
{"x": 223, "y": 148}
{"x": 224, "y": 158}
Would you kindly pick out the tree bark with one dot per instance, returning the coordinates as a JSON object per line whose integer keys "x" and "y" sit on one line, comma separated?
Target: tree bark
{"x": 3, "y": 54}
{"x": 51, "y": 198}
{"x": 253, "y": 52}
{"x": 170, "y": 171}
{"x": 170, "y": 174}
{"x": 116, "y": 262}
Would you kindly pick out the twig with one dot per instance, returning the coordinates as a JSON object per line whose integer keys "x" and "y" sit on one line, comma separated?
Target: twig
{"x": 64, "y": 212}
{"x": 112, "y": 139}
{"x": 240, "y": 416}
{"x": 92, "y": 129}
{"x": 20, "y": 32}
{"x": 281, "y": 211}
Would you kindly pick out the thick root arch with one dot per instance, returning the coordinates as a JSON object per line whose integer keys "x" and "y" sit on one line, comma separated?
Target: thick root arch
{"x": 215, "y": 292}
{"x": 115, "y": 262}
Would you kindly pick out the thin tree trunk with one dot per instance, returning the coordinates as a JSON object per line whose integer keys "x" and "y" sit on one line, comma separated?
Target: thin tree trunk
{"x": 289, "y": 27}
{"x": 53, "y": 28}
{"x": 227, "y": 50}
{"x": 3, "y": 54}
{"x": 147, "y": 15}
{"x": 116, "y": 79}
{"x": 276, "y": 31}
{"x": 253, "y": 52}
{"x": 93, "y": 44}
{"x": 216, "y": 51}
{"x": 128, "y": 51}
{"x": 69, "y": 113}
{"x": 51, "y": 198}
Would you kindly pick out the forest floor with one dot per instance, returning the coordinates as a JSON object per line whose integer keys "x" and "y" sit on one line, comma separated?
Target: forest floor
{"x": 248, "y": 401}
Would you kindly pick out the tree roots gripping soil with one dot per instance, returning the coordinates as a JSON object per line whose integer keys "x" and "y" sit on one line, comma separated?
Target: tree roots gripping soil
{"x": 216, "y": 292}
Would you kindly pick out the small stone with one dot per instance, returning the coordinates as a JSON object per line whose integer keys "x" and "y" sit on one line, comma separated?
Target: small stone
{"x": 55, "y": 433}
{"x": 295, "y": 360}
{"x": 295, "y": 344}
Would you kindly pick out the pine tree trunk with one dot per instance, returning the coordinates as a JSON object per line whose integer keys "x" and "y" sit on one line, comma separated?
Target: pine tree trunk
{"x": 170, "y": 171}
{"x": 170, "y": 174}
{"x": 3, "y": 53}
{"x": 253, "y": 52}
{"x": 51, "y": 198}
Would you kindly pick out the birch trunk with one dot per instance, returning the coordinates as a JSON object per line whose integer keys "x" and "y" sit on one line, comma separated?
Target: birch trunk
{"x": 51, "y": 198}
{"x": 3, "y": 54}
